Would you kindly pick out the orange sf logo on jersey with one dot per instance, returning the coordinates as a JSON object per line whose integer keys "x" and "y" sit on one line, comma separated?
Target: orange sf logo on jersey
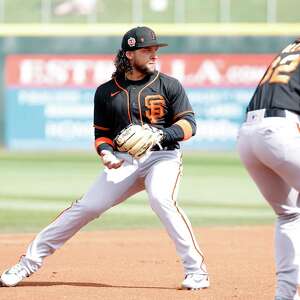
{"x": 155, "y": 105}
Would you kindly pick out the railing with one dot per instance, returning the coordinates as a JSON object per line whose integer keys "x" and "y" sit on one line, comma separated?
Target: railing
{"x": 148, "y": 11}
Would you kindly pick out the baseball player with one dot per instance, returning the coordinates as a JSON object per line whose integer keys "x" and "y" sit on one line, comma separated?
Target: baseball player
{"x": 140, "y": 115}
{"x": 269, "y": 147}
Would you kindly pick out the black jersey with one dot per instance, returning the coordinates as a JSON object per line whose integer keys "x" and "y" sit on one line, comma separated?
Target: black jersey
{"x": 157, "y": 99}
{"x": 280, "y": 85}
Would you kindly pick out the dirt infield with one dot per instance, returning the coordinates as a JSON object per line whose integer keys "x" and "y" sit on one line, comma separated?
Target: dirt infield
{"x": 142, "y": 264}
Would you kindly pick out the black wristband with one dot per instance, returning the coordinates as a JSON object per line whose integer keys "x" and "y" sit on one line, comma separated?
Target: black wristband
{"x": 105, "y": 146}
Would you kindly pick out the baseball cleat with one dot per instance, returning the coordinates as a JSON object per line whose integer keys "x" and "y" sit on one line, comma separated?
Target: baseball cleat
{"x": 14, "y": 275}
{"x": 195, "y": 281}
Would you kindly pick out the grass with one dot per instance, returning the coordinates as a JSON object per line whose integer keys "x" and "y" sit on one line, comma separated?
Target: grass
{"x": 35, "y": 187}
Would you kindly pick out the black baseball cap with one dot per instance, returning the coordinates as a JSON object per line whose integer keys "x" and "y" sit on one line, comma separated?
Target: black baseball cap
{"x": 140, "y": 37}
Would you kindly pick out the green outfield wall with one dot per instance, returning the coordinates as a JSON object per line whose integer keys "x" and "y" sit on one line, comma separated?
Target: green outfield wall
{"x": 36, "y": 40}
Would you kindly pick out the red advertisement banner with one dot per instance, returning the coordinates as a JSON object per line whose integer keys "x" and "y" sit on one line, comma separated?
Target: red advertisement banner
{"x": 78, "y": 71}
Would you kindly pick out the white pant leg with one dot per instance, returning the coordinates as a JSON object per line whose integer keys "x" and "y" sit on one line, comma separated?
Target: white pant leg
{"x": 263, "y": 150}
{"x": 110, "y": 188}
{"x": 287, "y": 249}
{"x": 162, "y": 182}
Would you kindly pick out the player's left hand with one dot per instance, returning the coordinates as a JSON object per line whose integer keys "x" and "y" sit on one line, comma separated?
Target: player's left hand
{"x": 137, "y": 140}
{"x": 109, "y": 160}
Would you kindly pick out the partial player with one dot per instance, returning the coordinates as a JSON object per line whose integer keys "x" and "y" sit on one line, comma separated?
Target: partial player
{"x": 269, "y": 147}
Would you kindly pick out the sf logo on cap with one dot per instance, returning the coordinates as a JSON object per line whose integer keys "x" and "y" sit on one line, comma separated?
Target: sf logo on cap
{"x": 131, "y": 42}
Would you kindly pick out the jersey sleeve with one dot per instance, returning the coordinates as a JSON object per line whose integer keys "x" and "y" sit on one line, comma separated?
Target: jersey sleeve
{"x": 183, "y": 120}
{"x": 180, "y": 104}
{"x": 103, "y": 131}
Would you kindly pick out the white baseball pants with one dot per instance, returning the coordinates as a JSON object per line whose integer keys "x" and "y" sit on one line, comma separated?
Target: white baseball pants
{"x": 270, "y": 150}
{"x": 159, "y": 174}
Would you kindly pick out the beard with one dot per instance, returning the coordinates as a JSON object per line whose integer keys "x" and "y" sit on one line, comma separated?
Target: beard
{"x": 145, "y": 69}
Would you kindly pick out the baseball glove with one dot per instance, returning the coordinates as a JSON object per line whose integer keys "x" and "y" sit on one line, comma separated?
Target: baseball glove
{"x": 137, "y": 140}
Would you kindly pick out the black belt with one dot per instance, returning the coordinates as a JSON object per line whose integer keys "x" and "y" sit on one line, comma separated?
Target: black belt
{"x": 275, "y": 112}
{"x": 272, "y": 112}
{"x": 166, "y": 148}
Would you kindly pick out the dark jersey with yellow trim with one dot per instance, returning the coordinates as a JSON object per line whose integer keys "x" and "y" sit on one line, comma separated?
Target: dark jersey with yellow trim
{"x": 157, "y": 99}
{"x": 280, "y": 85}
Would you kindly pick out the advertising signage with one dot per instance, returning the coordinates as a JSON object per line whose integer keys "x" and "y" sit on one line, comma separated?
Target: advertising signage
{"x": 49, "y": 98}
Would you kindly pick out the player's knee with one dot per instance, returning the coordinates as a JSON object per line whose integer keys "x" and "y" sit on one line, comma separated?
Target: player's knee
{"x": 160, "y": 204}
{"x": 92, "y": 209}
{"x": 88, "y": 211}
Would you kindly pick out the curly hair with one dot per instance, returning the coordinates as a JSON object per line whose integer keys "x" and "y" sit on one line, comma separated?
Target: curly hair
{"x": 121, "y": 63}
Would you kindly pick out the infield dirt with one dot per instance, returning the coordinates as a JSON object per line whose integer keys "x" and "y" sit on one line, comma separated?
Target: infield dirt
{"x": 142, "y": 264}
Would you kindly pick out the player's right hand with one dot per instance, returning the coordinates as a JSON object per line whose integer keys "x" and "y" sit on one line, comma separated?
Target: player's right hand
{"x": 109, "y": 160}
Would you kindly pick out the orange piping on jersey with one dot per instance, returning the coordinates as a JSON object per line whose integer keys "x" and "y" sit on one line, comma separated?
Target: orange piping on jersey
{"x": 101, "y": 128}
{"x": 127, "y": 95}
{"x": 103, "y": 140}
{"x": 298, "y": 127}
{"x": 184, "y": 218}
{"x": 139, "y": 96}
{"x": 186, "y": 128}
{"x": 182, "y": 114}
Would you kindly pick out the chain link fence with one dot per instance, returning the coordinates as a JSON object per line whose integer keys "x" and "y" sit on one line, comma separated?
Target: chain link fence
{"x": 148, "y": 11}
